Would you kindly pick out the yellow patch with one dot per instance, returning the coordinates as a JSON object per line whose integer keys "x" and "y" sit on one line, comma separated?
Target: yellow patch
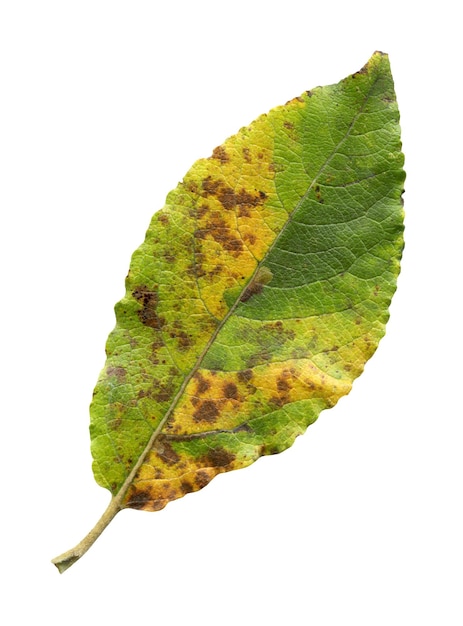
{"x": 234, "y": 212}
{"x": 219, "y": 400}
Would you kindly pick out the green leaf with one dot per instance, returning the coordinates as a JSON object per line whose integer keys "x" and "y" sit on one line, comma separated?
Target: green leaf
{"x": 261, "y": 290}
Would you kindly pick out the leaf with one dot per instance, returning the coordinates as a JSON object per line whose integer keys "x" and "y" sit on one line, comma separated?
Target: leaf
{"x": 261, "y": 290}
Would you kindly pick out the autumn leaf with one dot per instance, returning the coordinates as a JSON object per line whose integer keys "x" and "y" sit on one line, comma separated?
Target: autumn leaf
{"x": 261, "y": 290}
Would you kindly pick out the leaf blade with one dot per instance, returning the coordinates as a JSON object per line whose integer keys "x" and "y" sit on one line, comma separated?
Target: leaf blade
{"x": 268, "y": 236}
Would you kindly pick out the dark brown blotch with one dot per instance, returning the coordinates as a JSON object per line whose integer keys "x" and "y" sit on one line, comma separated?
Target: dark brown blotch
{"x": 262, "y": 277}
{"x": 202, "y": 384}
{"x": 259, "y": 358}
{"x": 117, "y": 371}
{"x": 148, "y": 298}
{"x": 163, "y": 392}
{"x": 202, "y": 479}
{"x": 230, "y": 391}
{"x": 207, "y": 411}
{"x": 139, "y": 498}
{"x": 221, "y": 154}
{"x": 186, "y": 487}
{"x": 210, "y": 186}
{"x": 219, "y": 457}
{"x": 245, "y": 376}
{"x": 250, "y": 238}
{"x": 283, "y": 385}
{"x": 166, "y": 452}
{"x": 184, "y": 340}
{"x": 252, "y": 289}
{"x": 218, "y": 229}
{"x": 247, "y": 155}
{"x": 243, "y": 201}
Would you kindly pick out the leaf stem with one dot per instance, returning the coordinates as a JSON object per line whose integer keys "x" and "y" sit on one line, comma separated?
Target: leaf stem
{"x": 65, "y": 560}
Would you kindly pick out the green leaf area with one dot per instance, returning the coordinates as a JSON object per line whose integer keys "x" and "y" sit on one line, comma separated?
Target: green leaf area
{"x": 261, "y": 290}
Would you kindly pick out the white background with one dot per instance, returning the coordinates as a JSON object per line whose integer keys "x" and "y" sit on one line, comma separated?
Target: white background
{"x": 104, "y": 106}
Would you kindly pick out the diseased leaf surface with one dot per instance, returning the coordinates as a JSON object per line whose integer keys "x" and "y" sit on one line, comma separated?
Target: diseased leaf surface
{"x": 261, "y": 290}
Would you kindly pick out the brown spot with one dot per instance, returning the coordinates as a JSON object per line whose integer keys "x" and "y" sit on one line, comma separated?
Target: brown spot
{"x": 250, "y": 238}
{"x": 230, "y": 199}
{"x": 139, "y": 498}
{"x": 202, "y": 478}
{"x": 210, "y": 186}
{"x": 279, "y": 401}
{"x": 165, "y": 451}
{"x": 203, "y": 384}
{"x": 318, "y": 195}
{"x": 288, "y": 125}
{"x": 148, "y": 298}
{"x": 196, "y": 270}
{"x": 243, "y": 428}
{"x": 247, "y": 155}
{"x": 219, "y": 457}
{"x": 118, "y": 372}
{"x": 169, "y": 257}
{"x": 245, "y": 376}
{"x": 215, "y": 271}
{"x": 184, "y": 340}
{"x": 156, "y": 345}
{"x": 283, "y": 385}
{"x": 269, "y": 449}
{"x": 201, "y": 210}
{"x": 191, "y": 186}
{"x": 217, "y": 229}
{"x": 220, "y": 154}
{"x": 364, "y": 70}
{"x": 163, "y": 393}
{"x": 230, "y": 391}
{"x": 263, "y": 277}
{"x": 157, "y": 505}
{"x": 309, "y": 93}
{"x": 186, "y": 487}
{"x": 163, "y": 218}
{"x": 206, "y": 412}
{"x": 241, "y": 201}
{"x": 252, "y": 289}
